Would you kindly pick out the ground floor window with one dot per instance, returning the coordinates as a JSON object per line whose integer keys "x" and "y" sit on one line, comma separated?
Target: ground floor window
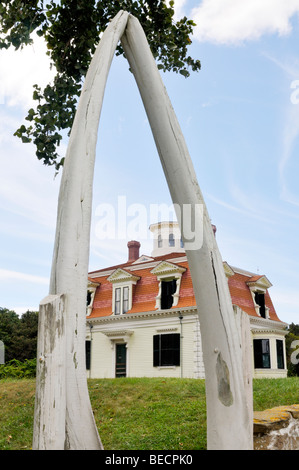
{"x": 279, "y": 353}
{"x": 167, "y": 350}
{"x": 261, "y": 353}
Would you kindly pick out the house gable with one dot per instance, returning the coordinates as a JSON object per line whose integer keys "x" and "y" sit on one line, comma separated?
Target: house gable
{"x": 122, "y": 294}
{"x": 165, "y": 269}
{"x": 259, "y": 282}
{"x": 120, "y": 275}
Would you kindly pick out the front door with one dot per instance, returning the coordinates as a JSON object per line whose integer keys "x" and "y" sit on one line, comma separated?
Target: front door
{"x": 121, "y": 360}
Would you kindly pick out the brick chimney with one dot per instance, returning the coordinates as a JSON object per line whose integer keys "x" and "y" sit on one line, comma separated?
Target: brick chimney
{"x": 133, "y": 250}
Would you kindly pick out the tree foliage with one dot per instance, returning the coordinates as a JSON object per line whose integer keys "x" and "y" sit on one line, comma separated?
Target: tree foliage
{"x": 72, "y": 29}
{"x": 19, "y": 334}
{"x": 291, "y": 340}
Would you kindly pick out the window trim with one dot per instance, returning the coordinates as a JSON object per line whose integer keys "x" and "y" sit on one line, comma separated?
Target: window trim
{"x": 124, "y": 304}
{"x": 91, "y": 291}
{"x": 122, "y": 279}
{"x": 168, "y": 290}
{"x": 165, "y": 271}
{"x": 259, "y": 286}
{"x": 117, "y": 300}
{"x": 280, "y": 356}
{"x": 171, "y": 240}
{"x": 260, "y": 306}
{"x": 160, "y": 349}
{"x": 257, "y": 355}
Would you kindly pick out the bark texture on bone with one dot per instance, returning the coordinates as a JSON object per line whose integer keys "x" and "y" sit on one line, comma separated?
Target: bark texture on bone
{"x": 228, "y": 405}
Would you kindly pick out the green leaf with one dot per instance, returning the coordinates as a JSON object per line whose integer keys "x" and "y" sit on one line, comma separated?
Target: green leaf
{"x": 25, "y": 140}
{"x": 71, "y": 29}
{"x": 185, "y": 73}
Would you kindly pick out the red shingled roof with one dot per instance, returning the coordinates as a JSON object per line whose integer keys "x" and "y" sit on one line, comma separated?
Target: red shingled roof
{"x": 146, "y": 289}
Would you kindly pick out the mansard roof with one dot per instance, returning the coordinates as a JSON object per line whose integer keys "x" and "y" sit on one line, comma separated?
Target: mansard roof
{"x": 146, "y": 289}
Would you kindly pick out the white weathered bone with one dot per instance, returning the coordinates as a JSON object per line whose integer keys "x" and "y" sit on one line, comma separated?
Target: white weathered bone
{"x": 228, "y": 403}
{"x": 228, "y": 412}
{"x": 71, "y": 257}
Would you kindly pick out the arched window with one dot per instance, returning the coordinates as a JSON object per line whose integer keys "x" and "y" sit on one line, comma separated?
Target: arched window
{"x": 159, "y": 241}
{"x": 171, "y": 239}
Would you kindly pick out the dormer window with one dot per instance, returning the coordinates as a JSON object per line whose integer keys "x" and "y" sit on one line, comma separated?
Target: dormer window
{"x": 169, "y": 276}
{"x": 122, "y": 295}
{"x": 88, "y": 298}
{"x": 121, "y": 300}
{"x": 168, "y": 288}
{"x": 259, "y": 298}
{"x": 91, "y": 290}
{"x": 258, "y": 286}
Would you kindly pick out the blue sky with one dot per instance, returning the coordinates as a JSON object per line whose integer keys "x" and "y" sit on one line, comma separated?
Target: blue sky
{"x": 240, "y": 119}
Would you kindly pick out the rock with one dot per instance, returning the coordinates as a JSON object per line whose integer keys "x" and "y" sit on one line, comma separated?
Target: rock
{"x": 266, "y": 422}
{"x": 274, "y": 418}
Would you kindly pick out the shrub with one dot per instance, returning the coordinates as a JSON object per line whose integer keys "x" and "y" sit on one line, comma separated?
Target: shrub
{"x": 17, "y": 369}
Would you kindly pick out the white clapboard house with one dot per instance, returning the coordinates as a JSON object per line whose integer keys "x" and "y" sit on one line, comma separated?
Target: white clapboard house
{"x": 142, "y": 317}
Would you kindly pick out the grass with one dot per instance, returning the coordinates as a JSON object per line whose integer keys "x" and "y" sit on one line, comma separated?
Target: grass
{"x": 136, "y": 414}
{"x": 149, "y": 414}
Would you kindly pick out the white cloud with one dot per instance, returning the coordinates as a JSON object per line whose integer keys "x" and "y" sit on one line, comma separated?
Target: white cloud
{"x": 27, "y": 187}
{"x": 290, "y": 136}
{"x": 6, "y": 275}
{"x": 234, "y": 21}
{"x": 179, "y": 8}
{"x": 20, "y": 70}
{"x": 290, "y": 125}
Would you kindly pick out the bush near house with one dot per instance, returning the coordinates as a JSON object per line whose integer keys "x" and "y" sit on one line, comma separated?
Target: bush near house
{"x": 17, "y": 369}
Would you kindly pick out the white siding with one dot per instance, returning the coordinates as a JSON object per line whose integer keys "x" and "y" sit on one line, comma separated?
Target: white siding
{"x": 138, "y": 335}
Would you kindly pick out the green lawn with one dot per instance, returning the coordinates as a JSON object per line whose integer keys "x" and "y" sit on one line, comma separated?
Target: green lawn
{"x": 136, "y": 414}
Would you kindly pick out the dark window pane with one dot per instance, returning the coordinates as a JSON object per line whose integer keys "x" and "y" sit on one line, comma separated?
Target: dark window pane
{"x": 260, "y": 301}
{"x": 279, "y": 351}
{"x": 168, "y": 288}
{"x": 167, "y": 350}
{"x": 261, "y": 353}
{"x": 117, "y": 301}
{"x": 125, "y": 299}
{"x": 88, "y": 298}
